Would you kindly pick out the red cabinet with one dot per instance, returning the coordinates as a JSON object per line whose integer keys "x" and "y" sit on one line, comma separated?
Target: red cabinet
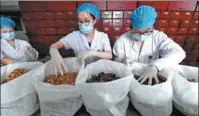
{"x": 172, "y": 30}
{"x": 193, "y": 30}
{"x": 27, "y": 15}
{"x": 194, "y": 23}
{"x": 60, "y": 15}
{"x": 61, "y": 5}
{"x": 158, "y": 5}
{"x": 164, "y": 29}
{"x": 179, "y": 38}
{"x": 60, "y": 23}
{"x": 196, "y": 15}
{"x": 174, "y": 23}
{"x": 165, "y": 14}
{"x": 182, "y": 5}
{"x": 117, "y": 14}
{"x": 117, "y": 22}
{"x": 33, "y": 5}
{"x": 48, "y": 15}
{"x": 162, "y": 23}
{"x": 107, "y": 30}
{"x": 71, "y": 23}
{"x": 118, "y": 5}
{"x": 62, "y": 31}
{"x": 107, "y": 23}
{"x": 185, "y": 23}
{"x": 98, "y": 24}
{"x": 106, "y": 14}
{"x": 127, "y": 22}
{"x": 127, "y": 14}
{"x": 187, "y": 15}
{"x": 71, "y": 15}
{"x": 117, "y": 30}
{"x": 182, "y": 31}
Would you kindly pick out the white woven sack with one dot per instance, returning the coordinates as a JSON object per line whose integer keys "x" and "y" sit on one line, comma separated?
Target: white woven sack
{"x": 58, "y": 100}
{"x": 18, "y": 96}
{"x": 105, "y": 98}
{"x": 185, "y": 92}
{"x": 153, "y": 100}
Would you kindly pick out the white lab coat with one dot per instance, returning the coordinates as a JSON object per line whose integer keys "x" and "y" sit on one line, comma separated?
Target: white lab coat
{"x": 79, "y": 43}
{"x": 158, "y": 50}
{"x": 20, "y": 53}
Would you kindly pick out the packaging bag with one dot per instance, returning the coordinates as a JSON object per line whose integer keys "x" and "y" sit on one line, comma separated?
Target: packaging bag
{"x": 185, "y": 92}
{"x": 153, "y": 100}
{"x": 58, "y": 100}
{"x": 18, "y": 96}
{"x": 105, "y": 98}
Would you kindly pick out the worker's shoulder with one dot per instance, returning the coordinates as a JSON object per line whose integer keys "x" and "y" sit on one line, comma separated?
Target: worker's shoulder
{"x": 126, "y": 36}
{"x": 21, "y": 41}
{"x": 158, "y": 33}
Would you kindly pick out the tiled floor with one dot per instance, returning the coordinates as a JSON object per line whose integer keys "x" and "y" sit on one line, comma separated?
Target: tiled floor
{"x": 131, "y": 112}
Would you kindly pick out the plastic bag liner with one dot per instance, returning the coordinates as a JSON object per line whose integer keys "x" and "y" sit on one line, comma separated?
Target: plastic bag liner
{"x": 58, "y": 100}
{"x": 105, "y": 98}
{"x": 153, "y": 100}
{"x": 18, "y": 96}
{"x": 185, "y": 92}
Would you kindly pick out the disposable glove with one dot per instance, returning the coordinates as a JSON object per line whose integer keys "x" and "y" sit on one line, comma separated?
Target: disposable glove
{"x": 82, "y": 55}
{"x": 150, "y": 73}
{"x": 128, "y": 61}
{"x": 56, "y": 64}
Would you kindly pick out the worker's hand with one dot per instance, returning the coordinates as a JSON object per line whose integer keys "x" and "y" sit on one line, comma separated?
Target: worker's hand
{"x": 128, "y": 61}
{"x": 56, "y": 64}
{"x": 32, "y": 51}
{"x": 150, "y": 73}
{"x": 82, "y": 55}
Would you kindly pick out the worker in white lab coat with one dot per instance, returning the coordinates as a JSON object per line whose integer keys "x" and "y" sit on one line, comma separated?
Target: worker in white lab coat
{"x": 87, "y": 41}
{"x": 13, "y": 49}
{"x": 144, "y": 44}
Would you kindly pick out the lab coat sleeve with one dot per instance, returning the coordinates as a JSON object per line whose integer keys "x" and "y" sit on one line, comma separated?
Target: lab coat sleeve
{"x": 32, "y": 57}
{"x": 171, "y": 53}
{"x": 66, "y": 40}
{"x": 2, "y": 54}
{"x": 106, "y": 44}
{"x": 118, "y": 50}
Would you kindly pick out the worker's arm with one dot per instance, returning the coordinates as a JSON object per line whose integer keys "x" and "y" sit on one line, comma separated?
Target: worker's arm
{"x": 6, "y": 61}
{"x": 171, "y": 53}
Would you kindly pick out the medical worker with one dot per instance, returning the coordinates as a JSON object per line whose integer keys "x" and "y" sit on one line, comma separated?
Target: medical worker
{"x": 13, "y": 49}
{"x": 144, "y": 44}
{"x": 87, "y": 41}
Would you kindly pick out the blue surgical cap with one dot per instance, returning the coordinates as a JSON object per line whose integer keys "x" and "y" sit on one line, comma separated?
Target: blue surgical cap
{"x": 143, "y": 17}
{"x": 89, "y": 8}
{"x": 7, "y": 23}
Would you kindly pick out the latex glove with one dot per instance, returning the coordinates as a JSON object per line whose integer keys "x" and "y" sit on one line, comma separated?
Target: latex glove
{"x": 150, "y": 73}
{"x": 56, "y": 64}
{"x": 128, "y": 61}
{"x": 31, "y": 53}
{"x": 82, "y": 55}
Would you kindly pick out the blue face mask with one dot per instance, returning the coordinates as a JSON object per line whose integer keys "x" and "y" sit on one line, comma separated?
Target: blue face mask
{"x": 8, "y": 35}
{"x": 86, "y": 29}
{"x": 140, "y": 37}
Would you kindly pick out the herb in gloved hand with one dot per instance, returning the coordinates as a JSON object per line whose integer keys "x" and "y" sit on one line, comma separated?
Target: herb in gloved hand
{"x": 161, "y": 79}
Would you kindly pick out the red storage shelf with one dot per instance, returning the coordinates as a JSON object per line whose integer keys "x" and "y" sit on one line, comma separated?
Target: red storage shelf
{"x": 158, "y": 5}
{"x": 182, "y": 5}
{"x": 33, "y": 5}
{"x": 118, "y": 5}
{"x": 61, "y": 5}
